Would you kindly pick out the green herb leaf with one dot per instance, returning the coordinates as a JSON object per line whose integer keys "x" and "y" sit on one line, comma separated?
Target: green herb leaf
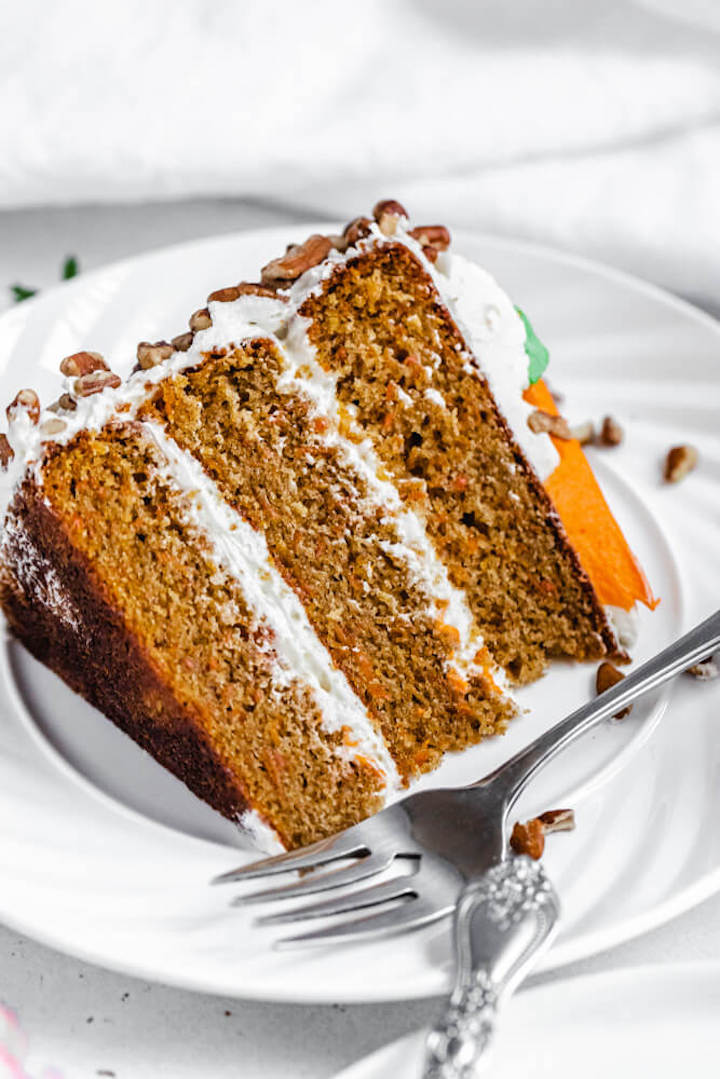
{"x": 71, "y": 267}
{"x": 20, "y": 293}
{"x": 535, "y": 350}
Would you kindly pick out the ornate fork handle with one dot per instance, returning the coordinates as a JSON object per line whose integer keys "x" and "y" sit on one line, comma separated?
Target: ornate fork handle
{"x": 502, "y": 922}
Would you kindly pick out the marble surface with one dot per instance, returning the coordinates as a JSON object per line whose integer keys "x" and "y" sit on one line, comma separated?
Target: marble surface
{"x": 88, "y": 1022}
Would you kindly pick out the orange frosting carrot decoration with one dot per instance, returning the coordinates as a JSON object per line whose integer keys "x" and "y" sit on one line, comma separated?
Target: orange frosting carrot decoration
{"x": 593, "y": 531}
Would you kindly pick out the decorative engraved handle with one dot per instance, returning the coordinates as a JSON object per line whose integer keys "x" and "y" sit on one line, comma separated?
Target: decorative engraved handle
{"x": 502, "y": 922}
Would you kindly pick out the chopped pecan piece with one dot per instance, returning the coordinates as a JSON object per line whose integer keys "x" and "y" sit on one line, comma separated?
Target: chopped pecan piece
{"x": 255, "y": 288}
{"x": 83, "y": 363}
{"x": 95, "y": 382}
{"x": 583, "y": 432}
{"x": 200, "y": 320}
{"x": 355, "y": 230}
{"x": 296, "y": 260}
{"x": 24, "y": 401}
{"x": 53, "y": 426}
{"x": 183, "y": 341}
{"x": 528, "y": 838}
{"x": 706, "y": 670}
{"x": 608, "y": 675}
{"x": 679, "y": 462}
{"x": 611, "y": 433}
{"x": 557, "y": 820}
{"x": 67, "y": 402}
{"x": 224, "y": 295}
{"x": 387, "y": 213}
{"x": 149, "y": 355}
{"x": 542, "y": 422}
{"x": 432, "y": 238}
{"x": 6, "y": 452}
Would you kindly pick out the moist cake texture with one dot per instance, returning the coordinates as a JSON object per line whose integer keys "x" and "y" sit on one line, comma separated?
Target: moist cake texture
{"x": 300, "y": 552}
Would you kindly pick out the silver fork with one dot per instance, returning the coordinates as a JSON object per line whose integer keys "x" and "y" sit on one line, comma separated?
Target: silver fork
{"x": 446, "y": 837}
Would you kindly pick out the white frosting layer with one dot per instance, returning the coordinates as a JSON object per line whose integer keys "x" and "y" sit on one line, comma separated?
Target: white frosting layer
{"x": 495, "y": 333}
{"x": 445, "y": 603}
{"x": 243, "y": 553}
{"x": 624, "y": 623}
{"x": 261, "y": 835}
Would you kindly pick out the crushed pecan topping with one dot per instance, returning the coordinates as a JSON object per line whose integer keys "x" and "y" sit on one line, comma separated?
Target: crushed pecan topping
{"x": 83, "y": 363}
{"x": 355, "y": 230}
{"x": 95, "y": 382}
{"x": 256, "y": 288}
{"x": 200, "y": 320}
{"x": 583, "y": 432}
{"x": 679, "y": 462}
{"x": 542, "y": 422}
{"x": 432, "y": 238}
{"x": 387, "y": 213}
{"x": 611, "y": 433}
{"x": 24, "y": 401}
{"x": 705, "y": 671}
{"x": 64, "y": 403}
{"x": 224, "y": 295}
{"x": 608, "y": 675}
{"x": 183, "y": 341}
{"x": 297, "y": 259}
{"x": 53, "y": 426}
{"x": 151, "y": 355}
{"x": 6, "y": 452}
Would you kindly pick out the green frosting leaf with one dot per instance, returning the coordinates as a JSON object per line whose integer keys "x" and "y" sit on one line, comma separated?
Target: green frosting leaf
{"x": 535, "y": 350}
{"x": 20, "y": 293}
{"x": 70, "y": 268}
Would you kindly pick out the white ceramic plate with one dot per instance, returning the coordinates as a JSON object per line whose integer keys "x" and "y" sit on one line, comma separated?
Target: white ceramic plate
{"x": 659, "y": 1021}
{"x": 107, "y": 856}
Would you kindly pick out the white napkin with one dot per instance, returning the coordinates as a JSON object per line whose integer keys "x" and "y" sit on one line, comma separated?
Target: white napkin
{"x": 591, "y": 125}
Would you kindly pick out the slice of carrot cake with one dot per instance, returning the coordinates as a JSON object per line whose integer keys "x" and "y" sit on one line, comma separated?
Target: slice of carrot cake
{"x": 298, "y": 552}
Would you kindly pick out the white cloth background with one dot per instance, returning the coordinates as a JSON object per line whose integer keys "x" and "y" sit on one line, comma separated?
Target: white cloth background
{"x": 591, "y": 124}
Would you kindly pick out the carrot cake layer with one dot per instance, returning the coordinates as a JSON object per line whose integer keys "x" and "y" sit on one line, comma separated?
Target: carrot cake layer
{"x": 291, "y": 553}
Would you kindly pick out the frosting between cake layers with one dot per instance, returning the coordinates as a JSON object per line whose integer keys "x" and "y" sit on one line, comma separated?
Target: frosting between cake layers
{"x": 243, "y": 553}
{"x": 304, "y": 376}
